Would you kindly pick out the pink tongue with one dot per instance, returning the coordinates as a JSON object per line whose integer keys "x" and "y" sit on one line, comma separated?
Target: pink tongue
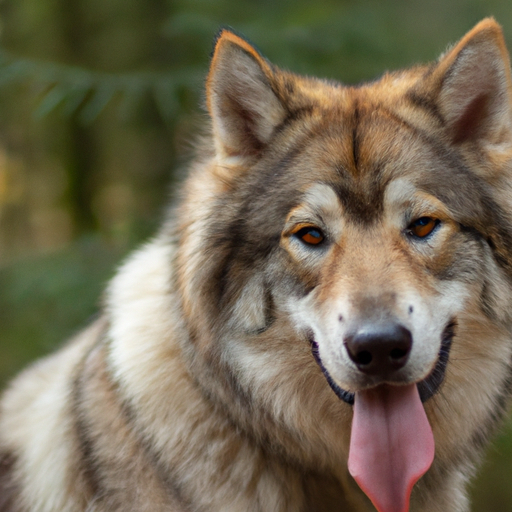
{"x": 391, "y": 445}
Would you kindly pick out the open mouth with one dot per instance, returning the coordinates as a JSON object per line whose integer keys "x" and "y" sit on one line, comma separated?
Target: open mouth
{"x": 391, "y": 441}
{"x": 427, "y": 388}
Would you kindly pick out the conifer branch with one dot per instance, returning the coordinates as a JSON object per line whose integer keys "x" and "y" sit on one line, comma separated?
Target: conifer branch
{"x": 76, "y": 90}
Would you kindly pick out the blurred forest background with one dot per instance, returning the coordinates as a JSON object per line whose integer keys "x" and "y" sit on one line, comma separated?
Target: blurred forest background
{"x": 99, "y": 103}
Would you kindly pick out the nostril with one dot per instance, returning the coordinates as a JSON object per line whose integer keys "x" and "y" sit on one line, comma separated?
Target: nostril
{"x": 364, "y": 357}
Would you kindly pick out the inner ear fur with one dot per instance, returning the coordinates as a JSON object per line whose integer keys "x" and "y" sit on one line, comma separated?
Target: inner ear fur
{"x": 474, "y": 85}
{"x": 244, "y": 108}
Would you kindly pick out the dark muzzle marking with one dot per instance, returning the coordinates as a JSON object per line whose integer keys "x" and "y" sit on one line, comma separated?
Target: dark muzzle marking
{"x": 346, "y": 396}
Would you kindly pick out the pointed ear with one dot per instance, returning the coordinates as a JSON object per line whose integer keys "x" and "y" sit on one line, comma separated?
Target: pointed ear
{"x": 242, "y": 103}
{"x": 474, "y": 85}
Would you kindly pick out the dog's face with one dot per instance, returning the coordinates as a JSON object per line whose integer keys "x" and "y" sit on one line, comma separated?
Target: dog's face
{"x": 367, "y": 224}
{"x": 384, "y": 292}
{"x": 361, "y": 208}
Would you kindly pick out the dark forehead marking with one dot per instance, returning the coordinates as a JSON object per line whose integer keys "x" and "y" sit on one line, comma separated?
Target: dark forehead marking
{"x": 362, "y": 205}
{"x": 355, "y": 136}
{"x": 361, "y": 186}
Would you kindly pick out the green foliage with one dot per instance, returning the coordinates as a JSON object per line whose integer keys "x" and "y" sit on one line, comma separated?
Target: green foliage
{"x": 73, "y": 89}
{"x": 45, "y": 300}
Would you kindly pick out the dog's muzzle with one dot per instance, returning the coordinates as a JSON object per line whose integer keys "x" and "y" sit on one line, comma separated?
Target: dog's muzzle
{"x": 383, "y": 352}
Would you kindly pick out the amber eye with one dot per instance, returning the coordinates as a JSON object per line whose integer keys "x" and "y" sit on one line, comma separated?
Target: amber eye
{"x": 310, "y": 235}
{"x": 423, "y": 227}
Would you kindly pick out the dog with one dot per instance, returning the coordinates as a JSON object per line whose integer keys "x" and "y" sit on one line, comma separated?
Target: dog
{"x": 323, "y": 323}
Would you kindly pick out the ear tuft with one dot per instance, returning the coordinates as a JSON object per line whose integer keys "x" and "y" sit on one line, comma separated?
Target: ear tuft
{"x": 242, "y": 103}
{"x": 474, "y": 85}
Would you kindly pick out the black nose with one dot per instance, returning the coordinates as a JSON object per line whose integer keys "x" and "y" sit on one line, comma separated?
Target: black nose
{"x": 379, "y": 349}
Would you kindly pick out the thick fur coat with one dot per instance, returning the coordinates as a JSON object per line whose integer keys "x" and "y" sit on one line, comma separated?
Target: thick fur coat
{"x": 333, "y": 247}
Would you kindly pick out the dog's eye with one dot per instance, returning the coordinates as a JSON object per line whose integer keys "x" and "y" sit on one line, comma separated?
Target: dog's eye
{"x": 423, "y": 227}
{"x": 310, "y": 235}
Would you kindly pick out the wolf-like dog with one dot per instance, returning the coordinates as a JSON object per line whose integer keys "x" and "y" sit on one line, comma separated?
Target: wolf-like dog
{"x": 322, "y": 324}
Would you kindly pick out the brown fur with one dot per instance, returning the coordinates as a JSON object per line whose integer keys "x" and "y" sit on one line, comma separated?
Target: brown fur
{"x": 199, "y": 389}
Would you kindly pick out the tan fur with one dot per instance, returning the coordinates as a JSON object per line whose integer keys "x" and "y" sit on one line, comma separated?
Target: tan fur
{"x": 197, "y": 390}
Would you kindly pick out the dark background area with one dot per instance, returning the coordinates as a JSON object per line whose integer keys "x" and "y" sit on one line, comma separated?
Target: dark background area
{"x": 99, "y": 104}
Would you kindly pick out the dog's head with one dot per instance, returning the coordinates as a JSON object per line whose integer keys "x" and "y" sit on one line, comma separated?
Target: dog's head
{"x": 372, "y": 221}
